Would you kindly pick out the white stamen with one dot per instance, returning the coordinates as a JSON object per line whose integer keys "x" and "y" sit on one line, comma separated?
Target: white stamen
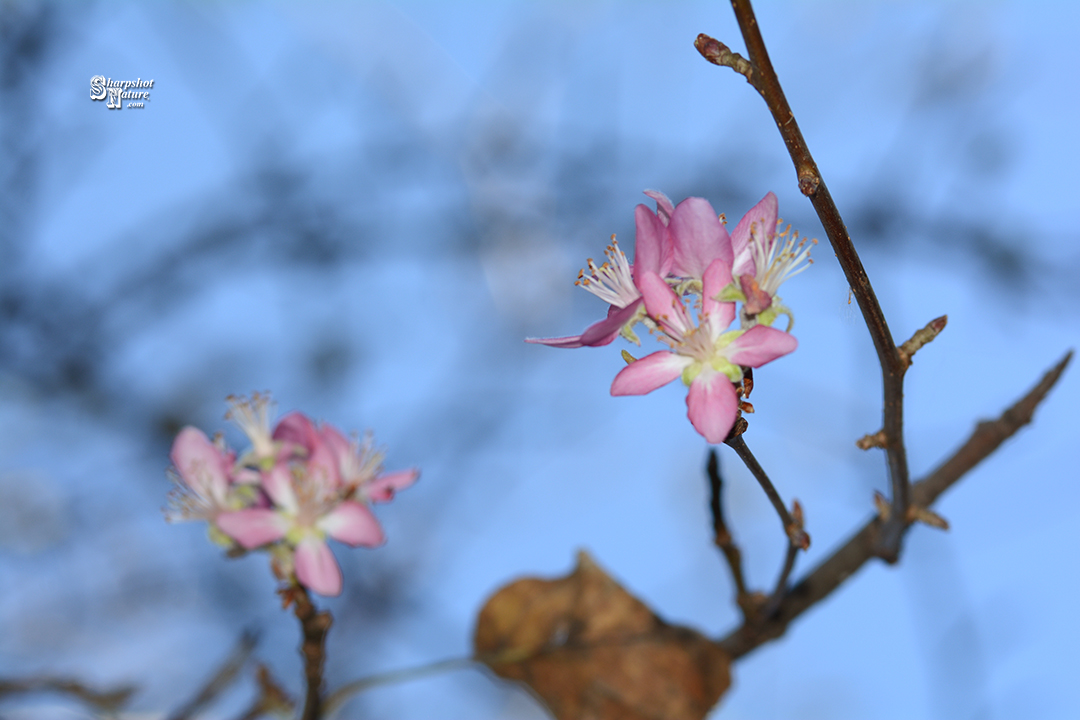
{"x": 253, "y": 417}
{"x": 613, "y": 281}
{"x": 775, "y": 263}
{"x": 362, "y": 464}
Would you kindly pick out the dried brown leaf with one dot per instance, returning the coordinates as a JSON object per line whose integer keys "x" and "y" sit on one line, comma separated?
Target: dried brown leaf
{"x": 592, "y": 651}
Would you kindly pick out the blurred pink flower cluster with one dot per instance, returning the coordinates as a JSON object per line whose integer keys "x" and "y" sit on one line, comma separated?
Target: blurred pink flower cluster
{"x": 684, "y": 258}
{"x": 298, "y": 484}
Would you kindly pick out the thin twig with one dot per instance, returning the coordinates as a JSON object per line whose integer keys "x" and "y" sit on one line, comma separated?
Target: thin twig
{"x": 107, "y": 701}
{"x": 721, "y": 535}
{"x": 315, "y": 625}
{"x": 839, "y": 566}
{"x": 221, "y": 679}
{"x": 792, "y": 529}
{"x": 339, "y": 697}
{"x": 271, "y": 700}
{"x": 812, "y": 185}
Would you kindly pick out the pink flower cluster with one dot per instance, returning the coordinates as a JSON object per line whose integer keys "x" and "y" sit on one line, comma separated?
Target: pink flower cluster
{"x": 297, "y": 485}
{"x": 684, "y": 257}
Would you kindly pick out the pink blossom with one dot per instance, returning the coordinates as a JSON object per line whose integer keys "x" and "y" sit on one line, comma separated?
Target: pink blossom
{"x": 321, "y": 490}
{"x": 298, "y": 485}
{"x": 676, "y": 242}
{"x": 684, "y": 252}
{"x": 705, "y": 355}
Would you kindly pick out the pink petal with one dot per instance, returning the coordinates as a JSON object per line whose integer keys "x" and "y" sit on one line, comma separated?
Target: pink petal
{"x": 599, "y": 333}
{"x": 316, "y": 568}
{"x": 201, "y": 465}
{"x": 717, "y": 276}
{"x": 764, "y": 216}
{"x": 698, "y": 238}
{"x": 334, "y": 440}
{"x": 324, "y": 464}
{"x": 297, "y": 429}
{"x": 759, "y": 345}
{"x": 253, "y": 527}
{"x": 720, "y": 314}
{"x": 663, "y": 304}
{"x": 570, "y": 341}
{"x": 664, "y": 208}
{"x": 353, "y": 524}
{"x": 603, "y": 332}
{"x": 277, "y": 482}
{"x": 328, "y": 456}
{"x": 382, "y": 488}
{"x": 652, "y": 240}
{"x": 711, "y": 405}
{"x": 650, "y": 372}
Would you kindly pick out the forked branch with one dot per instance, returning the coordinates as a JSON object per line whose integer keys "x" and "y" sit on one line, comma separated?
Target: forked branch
{"x": 843, "y": 563}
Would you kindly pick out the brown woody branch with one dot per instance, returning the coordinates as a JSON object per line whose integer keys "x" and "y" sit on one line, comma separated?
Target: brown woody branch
{"x": 843, "y": 563}
{"x": 763, "y": 78}
{"x": 315, "y": 626}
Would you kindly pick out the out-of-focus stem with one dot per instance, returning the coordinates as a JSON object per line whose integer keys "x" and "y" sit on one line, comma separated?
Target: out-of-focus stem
{"x": 722, "y": 536}
{"x": 314, "y": 625}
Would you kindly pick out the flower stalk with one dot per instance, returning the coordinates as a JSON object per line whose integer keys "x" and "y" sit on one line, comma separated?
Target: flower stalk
{"x": 314, "y": 626}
